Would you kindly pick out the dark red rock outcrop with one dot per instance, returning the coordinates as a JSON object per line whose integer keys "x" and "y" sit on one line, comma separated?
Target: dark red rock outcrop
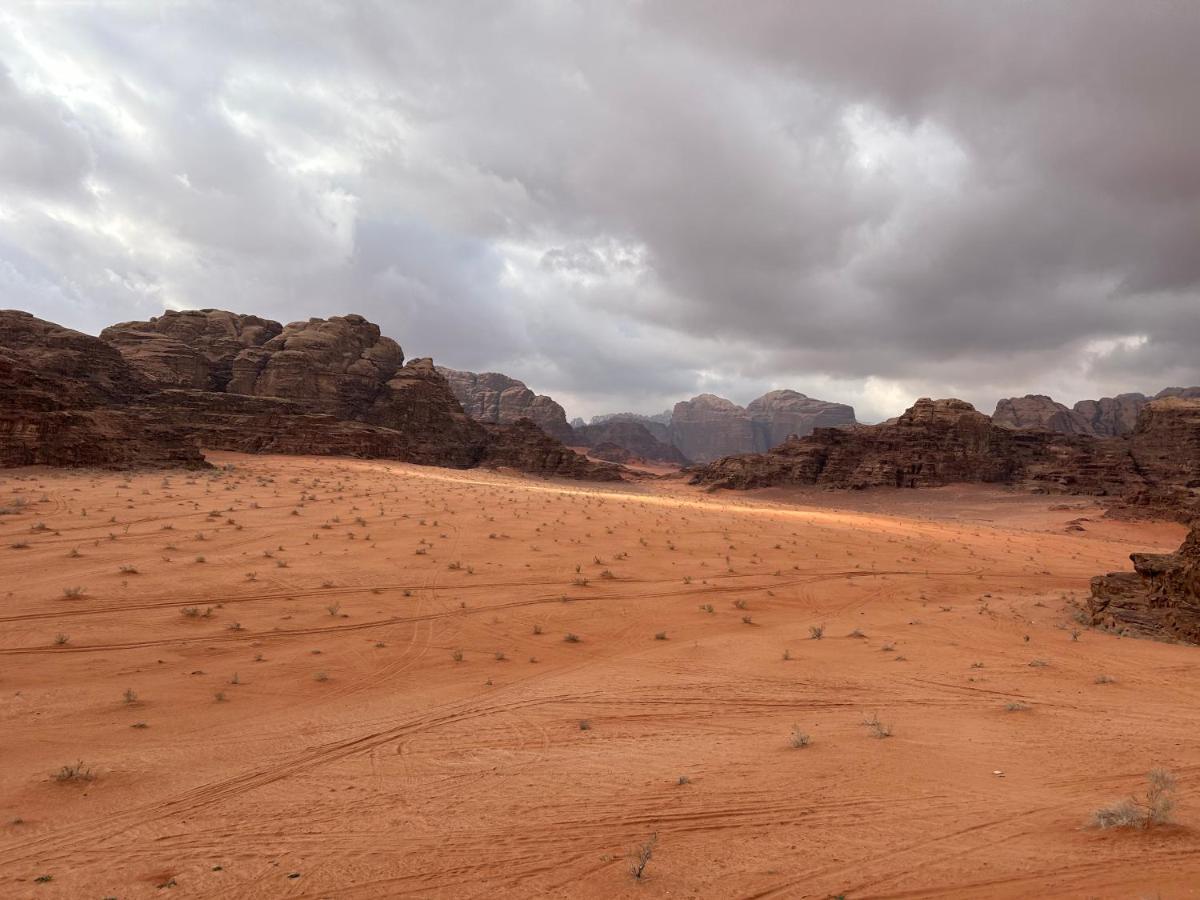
{"x": 63, "y": 399}
{"x": 190, "y": 348}
{"x": 496, "y": 399}
{"x": 632, "y": 437}
{"x": 1040, "y": 412}
{"x": 935, "y": 442}
{"x": 1160, "y": 598}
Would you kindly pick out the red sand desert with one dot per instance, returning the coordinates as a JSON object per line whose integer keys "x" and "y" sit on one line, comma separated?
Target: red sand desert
{"x": 300, "y": 677}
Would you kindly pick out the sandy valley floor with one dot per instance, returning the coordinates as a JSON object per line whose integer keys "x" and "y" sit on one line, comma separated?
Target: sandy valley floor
{"x": 355, "y": 679}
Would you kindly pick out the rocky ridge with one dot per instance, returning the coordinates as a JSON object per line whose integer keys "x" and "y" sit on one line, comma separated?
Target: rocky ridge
{"x": 323, "y": 386}
{"x": 936, "y": 442}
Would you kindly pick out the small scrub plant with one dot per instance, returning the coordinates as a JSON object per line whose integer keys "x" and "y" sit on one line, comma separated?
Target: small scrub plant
{"x": 130, "y": 696}
{"x": 660, "y": 636}
{"x": 321, "y": 676}
{"x": 73, "y": 593}
{"x": 1105, "y": 679}
{"x": 76, "y": 772}
{"x": 799, "y": 739}
{"x": 642, "y": 856}
{"x": 457, "y": 656}
{"x": 60, "y": 639}
{"x": 684, "y": 779}
{"x": 585, "y": 724}
{"x": 571, "y": 638}
{"x": 1016, "y": 706}
{"x": 1154, "y": 807}
{"x": 878, "y": 728}
{"x": 816, "y": 632}
{"x": 1039, "y": 663}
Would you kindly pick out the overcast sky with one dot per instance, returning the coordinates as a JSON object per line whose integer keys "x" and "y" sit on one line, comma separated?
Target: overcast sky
{"x": 625, "y": 204}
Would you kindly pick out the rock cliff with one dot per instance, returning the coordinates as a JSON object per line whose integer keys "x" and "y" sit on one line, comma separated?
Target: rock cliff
{"x": 496, "y": 399}
{"x": 63, "y": 399}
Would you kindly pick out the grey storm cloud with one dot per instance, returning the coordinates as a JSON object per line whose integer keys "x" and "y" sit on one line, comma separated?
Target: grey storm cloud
{"x": 625, "y": 203}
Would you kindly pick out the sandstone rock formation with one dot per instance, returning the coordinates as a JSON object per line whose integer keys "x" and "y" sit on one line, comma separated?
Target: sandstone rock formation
{"x": 935, "y": 442}
{"x": 708, "y": 427}
{"x": 1040, "y": 411}
{"x": 1106, "y": 417}
{"x": 189, "y": 349}
{"x": 1165, "y": 450}
{"x": 1161, "y": 597}
{"x": 224, "y": 381}
{"x": 777, "y": 415}
{"x": 632, "y": 437}
{"x": 1111, "y": 416}
{"x": 339, "y": 368}
{"x": 497, "y": 399}
{"x": 62, "y": 403}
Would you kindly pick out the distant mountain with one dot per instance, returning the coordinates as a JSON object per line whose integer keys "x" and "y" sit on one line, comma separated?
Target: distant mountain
{"x": 1106, "y": 417}
{"x": 708, "y": 427}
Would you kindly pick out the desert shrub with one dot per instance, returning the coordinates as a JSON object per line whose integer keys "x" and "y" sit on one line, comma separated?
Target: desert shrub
{"x": 76, "y": 772}
{"x": 642, "y": 856}
{"x": 799, "y": 739}
{"x": 1154, "y": 807}
{"x": 816, "y": 632}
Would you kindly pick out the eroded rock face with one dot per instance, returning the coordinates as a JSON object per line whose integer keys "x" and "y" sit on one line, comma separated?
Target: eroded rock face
{"x": 708, "y": 427}
{"x": 493, "y": 398}
{"x": 189, "y": 349}
{"x": 1161, "y": 597}
{"x": 333, "y": 386}
{"x": 632, "y": 437}
{"x": 935, "y": 442}
{"x": 62, "y": 403}
{"x": 1040, "y": 412}
{"x": 1165, "y": 449}
{"x": 1112, "y": 416}
{"x": 777, "y": 415}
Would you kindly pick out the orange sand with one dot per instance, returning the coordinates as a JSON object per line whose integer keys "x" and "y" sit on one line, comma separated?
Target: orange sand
{"x": 353, "y": 751}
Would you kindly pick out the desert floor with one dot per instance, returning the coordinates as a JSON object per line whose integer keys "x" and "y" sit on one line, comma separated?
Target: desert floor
{"x": 363, "y": 679}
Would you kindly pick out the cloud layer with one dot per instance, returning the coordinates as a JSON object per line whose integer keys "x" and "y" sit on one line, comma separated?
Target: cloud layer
{"x": 628, "y": 203}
